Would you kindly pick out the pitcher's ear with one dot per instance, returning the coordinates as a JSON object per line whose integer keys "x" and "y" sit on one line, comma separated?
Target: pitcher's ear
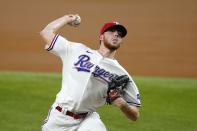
{"x": 101, "y": 37}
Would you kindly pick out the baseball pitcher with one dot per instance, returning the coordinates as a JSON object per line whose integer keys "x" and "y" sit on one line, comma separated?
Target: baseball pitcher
{"x": 90, "y": 78}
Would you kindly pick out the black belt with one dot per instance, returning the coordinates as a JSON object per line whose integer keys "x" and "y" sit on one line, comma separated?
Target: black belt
{"x": 74, "y": 115}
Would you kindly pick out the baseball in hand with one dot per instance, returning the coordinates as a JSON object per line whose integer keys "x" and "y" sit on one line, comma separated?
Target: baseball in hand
{"x": 77, "y": 21}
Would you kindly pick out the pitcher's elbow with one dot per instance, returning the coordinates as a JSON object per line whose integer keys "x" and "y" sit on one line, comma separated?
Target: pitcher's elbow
{"x": 43, "y": 33}
{"x": 135, "y": 116}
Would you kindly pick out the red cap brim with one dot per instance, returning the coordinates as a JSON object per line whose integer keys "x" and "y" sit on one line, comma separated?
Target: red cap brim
{"x": 109, "y": 25}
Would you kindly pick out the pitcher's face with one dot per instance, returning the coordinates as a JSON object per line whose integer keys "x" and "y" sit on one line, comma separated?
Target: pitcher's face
{"x": 112, "y": 39}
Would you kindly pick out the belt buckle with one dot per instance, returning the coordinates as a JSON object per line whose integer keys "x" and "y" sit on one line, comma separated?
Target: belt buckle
{"x": 76, "y": 116}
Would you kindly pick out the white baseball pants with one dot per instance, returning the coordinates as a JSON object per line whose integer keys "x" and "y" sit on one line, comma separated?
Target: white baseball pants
{"x": 57, "y": 121}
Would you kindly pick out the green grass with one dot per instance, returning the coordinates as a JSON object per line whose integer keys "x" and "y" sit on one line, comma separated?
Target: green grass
{"x": 167, "y": 104}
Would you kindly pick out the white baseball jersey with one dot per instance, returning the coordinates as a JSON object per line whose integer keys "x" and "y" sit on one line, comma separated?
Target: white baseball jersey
{"x": 85, "y": 75}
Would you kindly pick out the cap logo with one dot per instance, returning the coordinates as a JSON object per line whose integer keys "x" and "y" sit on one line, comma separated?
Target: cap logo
{"x": 116, "y": 23}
